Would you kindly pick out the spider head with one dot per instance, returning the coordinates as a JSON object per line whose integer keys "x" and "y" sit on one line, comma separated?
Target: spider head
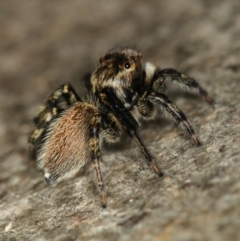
{"x": 117, "y": 69}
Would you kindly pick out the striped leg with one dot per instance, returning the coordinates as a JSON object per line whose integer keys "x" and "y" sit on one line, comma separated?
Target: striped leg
{"x": 96, "y": 155}
{"x": 58, "y": 101}
{"x": 174, "y": 112}
{"x": 185, "y": 82}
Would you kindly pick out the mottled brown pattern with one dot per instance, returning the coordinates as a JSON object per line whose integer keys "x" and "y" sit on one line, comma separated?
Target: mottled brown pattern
{"x": 47, "y": 43}
{"x": 124, "y": 91}
{"x": 112, "y": 72}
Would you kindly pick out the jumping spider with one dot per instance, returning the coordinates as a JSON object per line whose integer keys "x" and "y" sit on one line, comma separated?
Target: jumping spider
{"x": 122, "y": 89}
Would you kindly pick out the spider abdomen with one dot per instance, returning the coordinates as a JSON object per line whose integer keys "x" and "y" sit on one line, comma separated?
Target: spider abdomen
{"x": 66, "y": 145}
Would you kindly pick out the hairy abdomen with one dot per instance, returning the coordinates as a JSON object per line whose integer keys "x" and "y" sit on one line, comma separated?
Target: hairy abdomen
{"x": 66, "y": 146}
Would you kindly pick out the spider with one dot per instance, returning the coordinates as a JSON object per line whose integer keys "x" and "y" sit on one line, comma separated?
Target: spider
{"x": 69, "y": 131}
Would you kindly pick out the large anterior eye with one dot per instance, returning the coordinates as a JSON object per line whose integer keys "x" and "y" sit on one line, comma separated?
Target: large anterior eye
{"x": 127, "y": 65}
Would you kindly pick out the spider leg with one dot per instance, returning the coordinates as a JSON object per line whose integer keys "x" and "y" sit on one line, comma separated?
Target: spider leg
{"x": 129, "y": 124}
{"x": 170, "y": 108}
{"x": 185, "y": 82}
{"x": 96, "y": 155}
{"x": 147, "y": 154}
{"x": 58, "y": 101}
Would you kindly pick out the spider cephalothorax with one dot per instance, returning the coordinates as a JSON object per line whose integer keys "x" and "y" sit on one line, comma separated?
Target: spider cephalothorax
{"x": 68, "y": 130}
{"x": 120, "y": 70}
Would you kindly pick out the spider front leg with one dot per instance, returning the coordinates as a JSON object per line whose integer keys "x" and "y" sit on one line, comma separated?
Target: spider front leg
{"x": 125, "y": 118}
{"x": 170, "y": 108}
{"x": 184, "y": 81}
{"x": 58, "y": 101}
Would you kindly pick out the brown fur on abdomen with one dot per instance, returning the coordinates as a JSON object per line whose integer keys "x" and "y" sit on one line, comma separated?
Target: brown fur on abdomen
{"x": 67, "y": 141}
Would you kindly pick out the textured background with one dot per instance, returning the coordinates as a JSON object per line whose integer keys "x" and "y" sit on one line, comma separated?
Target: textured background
{"x": 45, "y": 43}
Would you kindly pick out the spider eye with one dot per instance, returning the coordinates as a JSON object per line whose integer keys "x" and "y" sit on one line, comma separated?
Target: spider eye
{"x": 127, "y": 65}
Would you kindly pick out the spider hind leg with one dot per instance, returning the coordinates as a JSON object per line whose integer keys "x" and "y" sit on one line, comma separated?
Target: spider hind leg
{"x": 58, "y": 101}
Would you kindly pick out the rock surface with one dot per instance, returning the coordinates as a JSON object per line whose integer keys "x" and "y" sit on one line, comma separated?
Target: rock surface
{"x": 45, "y": 43}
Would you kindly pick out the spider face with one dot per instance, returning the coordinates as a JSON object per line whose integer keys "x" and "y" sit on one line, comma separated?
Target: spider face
{"x": 119, "y": 69}
{"x": 68, "y": 130}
